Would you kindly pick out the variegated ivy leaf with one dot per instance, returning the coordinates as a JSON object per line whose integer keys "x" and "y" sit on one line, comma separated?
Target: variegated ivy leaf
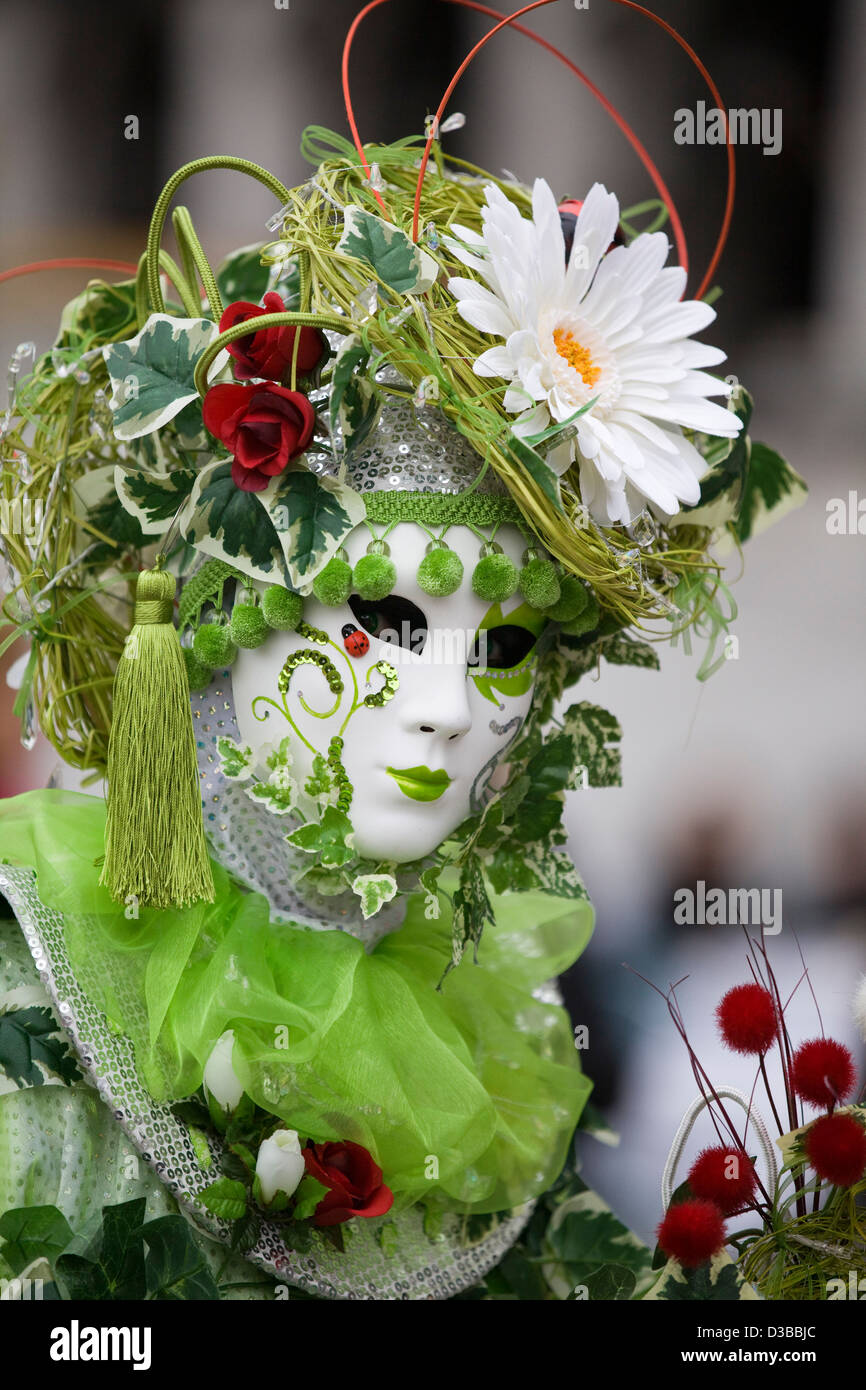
{"x": 278, "y": 794}
{"x": 320, "y": 782}
{"x": 330, "y": 839}
{"x": 374, "y": 890}
{"x": 236, "y": 526}
{"x": 596, "y": 736}
{"x": 515, "y": 868}
{"x": 355, "y": 403}
{"x": 311, "y": 517}
{"x": 152, "y": 373}
{"x": 153, "y": 498}
{"x": 397, "y": 260}
{"x": 242, "y": 276}
{"x": 472, "y": 910}
{"x": 772, "y": 489}
{"x": 723, "y": 484}
{"x": 236, "y": 760}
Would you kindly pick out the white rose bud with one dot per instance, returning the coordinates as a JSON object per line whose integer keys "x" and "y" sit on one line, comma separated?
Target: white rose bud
{"x": 279, "y": 1164}
{"x": 220, "y": 1081}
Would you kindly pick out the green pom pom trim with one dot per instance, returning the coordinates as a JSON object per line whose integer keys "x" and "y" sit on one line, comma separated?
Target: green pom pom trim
{"x": 586, "y": 621}
{"x": 494, "y": 578}
{"x": 440, "y": 572}
{"x": 282, "y": 608}
{"x": 334, "y": 585}
{"x": 198, "y": 675}
{"x": 573, "y": 598}
{"x": 248, "y": 627}
{"x": 374, "y": 577}
{"x": 213, "y": 645}
{"x": 539, "y": 583}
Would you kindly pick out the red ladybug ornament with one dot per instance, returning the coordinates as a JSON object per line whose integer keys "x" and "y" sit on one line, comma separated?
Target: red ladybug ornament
{"x": 357, "y": 643}
{"x": 568, "y": 212}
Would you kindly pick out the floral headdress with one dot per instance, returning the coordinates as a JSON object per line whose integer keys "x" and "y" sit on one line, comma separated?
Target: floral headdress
{"x": 189, "y": 414}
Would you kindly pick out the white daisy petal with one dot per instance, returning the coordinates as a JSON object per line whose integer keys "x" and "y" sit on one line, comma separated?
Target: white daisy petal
{"x": 609, "y": 336}
{"x": 593, "y": 233}
{"x": 496, "y": 361}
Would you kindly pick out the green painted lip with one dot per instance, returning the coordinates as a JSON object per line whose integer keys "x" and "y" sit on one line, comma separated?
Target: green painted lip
{"x": 420, "y": 783}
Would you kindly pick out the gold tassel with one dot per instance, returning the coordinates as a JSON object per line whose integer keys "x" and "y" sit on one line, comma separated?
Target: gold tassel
{"x": 155, "y": 850}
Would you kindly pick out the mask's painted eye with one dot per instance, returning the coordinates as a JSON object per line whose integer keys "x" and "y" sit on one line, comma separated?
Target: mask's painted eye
{"x": 393, "y": 619}
{"x": 501, "y": 648}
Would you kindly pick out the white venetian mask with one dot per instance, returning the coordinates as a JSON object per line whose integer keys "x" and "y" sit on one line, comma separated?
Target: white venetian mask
{"x": 420, "y": 762}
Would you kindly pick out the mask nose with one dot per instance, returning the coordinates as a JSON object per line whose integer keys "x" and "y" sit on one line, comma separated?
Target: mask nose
{"x": 439, "y": 706}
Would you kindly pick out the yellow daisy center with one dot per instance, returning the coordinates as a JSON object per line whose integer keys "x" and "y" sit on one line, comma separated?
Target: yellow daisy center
{"x": 576, "y": 355}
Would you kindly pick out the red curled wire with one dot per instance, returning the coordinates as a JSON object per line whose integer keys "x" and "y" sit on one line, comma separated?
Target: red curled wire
{"x": 511, "y": 21}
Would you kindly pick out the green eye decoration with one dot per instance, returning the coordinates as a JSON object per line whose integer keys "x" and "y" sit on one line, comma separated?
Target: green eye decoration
{"x": 389, "y": 688}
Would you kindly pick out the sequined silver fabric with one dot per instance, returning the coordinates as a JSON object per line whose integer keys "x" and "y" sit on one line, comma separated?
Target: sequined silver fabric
{"x": 413, "y": 448}
{"x": 249, "y": 840}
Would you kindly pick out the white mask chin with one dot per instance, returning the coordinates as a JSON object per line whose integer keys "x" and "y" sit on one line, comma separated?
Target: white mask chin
{"x": 418, "y": 764}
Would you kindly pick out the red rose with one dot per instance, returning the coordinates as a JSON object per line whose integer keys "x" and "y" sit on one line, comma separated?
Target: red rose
{"x": 355, "y": 1182}
{"x": 269, "y": 352}
{"x": 264, "y": 426}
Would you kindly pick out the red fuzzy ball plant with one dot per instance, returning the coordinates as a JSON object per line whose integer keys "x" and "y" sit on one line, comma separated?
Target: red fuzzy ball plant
{"x": 723, "y": 1181}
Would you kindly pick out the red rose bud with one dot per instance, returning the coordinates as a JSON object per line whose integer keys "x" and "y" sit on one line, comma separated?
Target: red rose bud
{"x": 354, "y": 1179}
{"x": 269, "y": 353}
{"x": 822, "y": 1071}
{"x": 692, "y": 1232}
{"x": 747, "y": 1018}
{"x": 263, "y": 426}
{"x": 726, "y": 1176}
{"x": 836, "y": 1148}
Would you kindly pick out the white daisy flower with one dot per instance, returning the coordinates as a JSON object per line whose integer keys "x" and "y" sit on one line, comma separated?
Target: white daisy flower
{"x": 610, "y": 328}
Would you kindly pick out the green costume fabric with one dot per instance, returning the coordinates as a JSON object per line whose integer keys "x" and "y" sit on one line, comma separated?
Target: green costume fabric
{"x": 467, "y": 1097}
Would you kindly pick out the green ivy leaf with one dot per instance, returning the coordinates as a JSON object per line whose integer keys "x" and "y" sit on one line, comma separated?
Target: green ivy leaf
{"x": 226, "y": 1198}
{"x": 772, "y": 489}
{"x": 472, "y": 910}
{"x": 312, "y": 517}
{"x": 242, "y": 276}
{"x": 330, "y": 838}
{"x": 374, "y": 890}
{"x": 236, "y": 759}
{"x": 175, "y": 1267}
{"x": 622, "y": 650}
{"x": 233, "y": 525}
{"x": 101, "y": 312}
{"x": 595, "y": 736}
{"x": 397, "y": 260}
{"x": 29, "y": 1042}
{"x": 702, "y": 1286}
{"x": 308, "y": 1196}
{"x": 152, "y": 373}
{"x": 153, "y": 498}
{"x": 113, "y": 1269}
{"x": 33, "y": 1233}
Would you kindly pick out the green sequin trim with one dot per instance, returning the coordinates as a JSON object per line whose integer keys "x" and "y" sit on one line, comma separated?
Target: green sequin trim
{"x": 441, "y": 508}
